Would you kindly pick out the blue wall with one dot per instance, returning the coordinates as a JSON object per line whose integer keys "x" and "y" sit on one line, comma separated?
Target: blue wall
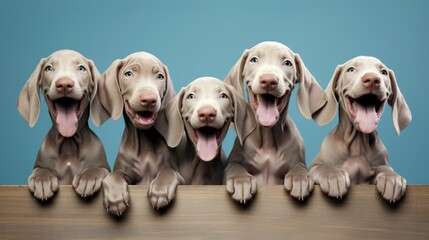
{"x": 205, "y": 38}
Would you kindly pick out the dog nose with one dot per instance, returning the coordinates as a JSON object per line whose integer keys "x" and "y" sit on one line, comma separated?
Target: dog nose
{"x": 147, "y": 99}
{"x": 268, "y": 81}
{"x": 207, "y": 114}
{"x": 371, "y": 80}
{"x": 64, "y": 85}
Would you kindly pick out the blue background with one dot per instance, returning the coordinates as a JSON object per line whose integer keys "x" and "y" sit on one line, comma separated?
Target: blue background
{"x": 205, "y": 38}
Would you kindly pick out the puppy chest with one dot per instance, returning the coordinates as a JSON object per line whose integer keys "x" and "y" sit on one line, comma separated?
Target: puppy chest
{"x": 268, "y": 166}
{"x": 148, "y": 165}
{"x": 69, "y": 161}
{"x": 358, "y": 169}
{"x": 199, "y": 172}
{"x": 67, "y": 168}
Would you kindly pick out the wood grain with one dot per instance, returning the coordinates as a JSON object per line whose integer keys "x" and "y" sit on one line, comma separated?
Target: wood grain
{"x": 207, "y": 212}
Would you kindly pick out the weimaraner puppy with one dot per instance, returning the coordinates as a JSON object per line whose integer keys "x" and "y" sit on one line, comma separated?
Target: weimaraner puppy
{"x": 353, "y": 152}
{"x": 71, "y": 153}
{"x": 194, "y": 126}
{"x": 274, "y": 153}
{"x": 138, "y": 85}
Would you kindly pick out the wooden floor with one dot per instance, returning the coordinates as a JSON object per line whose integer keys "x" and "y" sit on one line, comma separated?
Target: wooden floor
{"x": 206, "y": 212}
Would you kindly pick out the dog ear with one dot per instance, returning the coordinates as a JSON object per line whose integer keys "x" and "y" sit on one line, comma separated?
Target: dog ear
{"x": 235, "y": 75}
{"x": 29, "y": 98}
{"x": 108, "y": 101}
{"x": 244, "y": 119}
{"x": 95, "y": 76}
{"x": 325, "y": 115}
{"x": 401, "y": 113}
{"x": 311, "y": 96}
{"x": 169, "y": 122}
{"x": 169, "y": 92}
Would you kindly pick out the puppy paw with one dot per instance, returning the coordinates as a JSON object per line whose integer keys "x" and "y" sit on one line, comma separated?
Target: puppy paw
{"x": 241, "y": 188}
{"x": 89, "y": 181}
{"x": 162, "y": 190}
{"x": 299, "y": 183}
{"x": 115, "y": 194}
{"x": 335, "y": 182}
{"x": 391, "y": 186}
{"x": 43, "y": 184}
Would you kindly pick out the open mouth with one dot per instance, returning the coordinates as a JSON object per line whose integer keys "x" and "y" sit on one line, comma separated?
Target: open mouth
{"x": 267, "y": 106}
{"x": 366, "y": 111}
{"x": 208, "y": 140}
{"x": 66, "y": 112}
{"x": 141, "y": 119}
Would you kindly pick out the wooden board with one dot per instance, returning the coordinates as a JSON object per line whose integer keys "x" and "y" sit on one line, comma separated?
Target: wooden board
{"x": 207, "y": 212}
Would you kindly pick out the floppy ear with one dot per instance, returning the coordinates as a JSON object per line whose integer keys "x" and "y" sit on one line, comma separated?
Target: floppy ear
{"x": 108, "y": 101}
{"x": 95, "y": 76}
{"x": 29, "y": 98}
{"x": 311, "y": 96}
{"x": 235, "y": 75}
{"x": 324, "y": 115}
{"x": 401, "y": 113}
{"x": 244, "y": 119}
{"x": 169, "y": 92}
{"x": 169, "y": 122}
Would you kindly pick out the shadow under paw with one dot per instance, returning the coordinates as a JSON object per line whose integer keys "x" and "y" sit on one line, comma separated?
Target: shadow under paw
{"x": 244, "y": 206}
{"x": 339, "y": 202}
{"x": 164, "y": 210}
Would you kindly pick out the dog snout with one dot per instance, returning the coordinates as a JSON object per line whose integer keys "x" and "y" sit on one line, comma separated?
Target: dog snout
{"x": 64, "y": 85}
{"x": 371, "y": 80}
{"x": 148, "y": 99}
{"x": 207, "y": 114}
{"x": 268, "y": 81}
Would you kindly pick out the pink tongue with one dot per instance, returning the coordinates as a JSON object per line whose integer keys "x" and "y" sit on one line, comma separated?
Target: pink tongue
{"x": 66, "y": 119}
{"x": 367, "y": 118}
{"x": 207, "y": 146}
{"x": 267, "y": 112}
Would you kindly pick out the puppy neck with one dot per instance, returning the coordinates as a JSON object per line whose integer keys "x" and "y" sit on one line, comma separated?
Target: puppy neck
{"x": 134, "y": 136}
{"x": 347, "y": 132}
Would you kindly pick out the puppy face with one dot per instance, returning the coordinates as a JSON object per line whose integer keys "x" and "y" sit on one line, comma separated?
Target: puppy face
{"x": 140, "y": 83}
{"x": 269, "y": 75}
{"x": 143, "y": 81}
{"x": 67, "y": 80}
{"x": 207, "y": 110}
{"x": 363, "y": 87}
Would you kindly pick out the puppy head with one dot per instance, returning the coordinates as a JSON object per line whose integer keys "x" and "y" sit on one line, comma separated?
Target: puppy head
{"x": 68, "y": 81}
{"x": 362, "y": 86}
{"x": 269, "y": 71}
{"x": 141, "y": 83}
{"x": 204, "y": 109}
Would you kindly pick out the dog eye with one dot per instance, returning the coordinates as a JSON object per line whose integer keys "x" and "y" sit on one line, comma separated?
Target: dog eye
{"x": 351, "y": 69}
{"x": 254, "y": 60}
{"x": 160, "y": 76}
{"x": 287, "y": 63}
{"x": 81, "y": 68}
{"x": 384, "y": 72}
{"x": 190, "y": 96}
{"x": 223, "y": 96}
{"x": 128, "y": 74}
{"x": 49, "y": 69}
